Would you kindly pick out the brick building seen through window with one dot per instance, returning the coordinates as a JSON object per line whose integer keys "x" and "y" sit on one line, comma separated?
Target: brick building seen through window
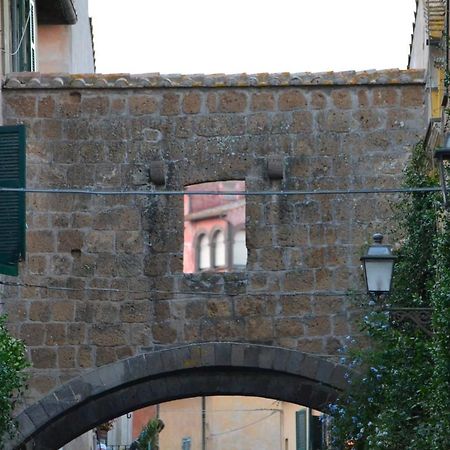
{"x": 214, "y": 228}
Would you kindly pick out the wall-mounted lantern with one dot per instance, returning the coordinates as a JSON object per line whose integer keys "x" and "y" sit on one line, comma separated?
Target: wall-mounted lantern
{"x": 378, "y": 265}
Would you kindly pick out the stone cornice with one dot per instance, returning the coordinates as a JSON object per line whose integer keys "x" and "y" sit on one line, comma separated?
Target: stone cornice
{"x": 35, "y": 80}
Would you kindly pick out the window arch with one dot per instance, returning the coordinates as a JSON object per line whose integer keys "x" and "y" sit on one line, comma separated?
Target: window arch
{"x": 203, "y": 252}
{"x": 239, "y": 249}
{"x": 219, "y": 249}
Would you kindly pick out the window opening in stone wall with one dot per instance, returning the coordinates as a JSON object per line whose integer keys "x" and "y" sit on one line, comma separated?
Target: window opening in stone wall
{"x": 214, "y": 228}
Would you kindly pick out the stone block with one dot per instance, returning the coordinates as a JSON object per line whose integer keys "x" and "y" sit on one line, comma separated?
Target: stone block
{"x": 106, "y": 313}
{"x": 385, "y": 96}
{"x": 258, "y": 124}
{"x": 105, "y": 335}
{"x": 99, "y": 241}
{"x": 95, "y": 105}
{"x": 299, "y": 280}
{"x": 288, "y": 327}
{"x": 292, "y": 305}
{"x": 104, "y": 355}
{"x": 22, "y": 105}
{"x": 43, "y": 357}
{"x": 318, "y": 100}
{"x": 63, "y": 311}
{"x": 39, "y": 311}
{"x": 292, "y": 99}
{"x": 249, "y": 306}
{"x": 140, "y": 104}
{"x": 263, "y": 101}
{"x": 317, "y": 326}
{"x": 76, "y": 333}
{"x": 55, "y": 333}
{"x": 51, "y": 129}
{"x": 85, "y": 356}
{"x": 216, "y": 308}
{"x": 37, "y": 414}
{"x": 136, "y": 311}
{"x": 232, "y": 102}
{"x": 164, "y": 333}
{"x": 32, "y": 333}
{"x": 259, "y": 328}
{"x": 46, "y": 106}
{"x": 66, "y": 357}
{"x": 412, "y": 96}
{"x": 342, "y": 98}
{"x": 40, "y": 241}
{"x": 339, "y": 121}
{"x": 170, "y": 104}
{"x": 302, "y": 121}
{"x": 192, "y": 103}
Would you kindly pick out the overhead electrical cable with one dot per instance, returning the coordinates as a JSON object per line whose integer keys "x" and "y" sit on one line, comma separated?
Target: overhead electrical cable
{"x": 409, "y": 190}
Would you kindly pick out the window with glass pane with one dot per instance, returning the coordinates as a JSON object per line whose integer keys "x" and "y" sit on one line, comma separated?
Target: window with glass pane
{"x": 204, "y": 259}
{"x": 239, "y": 250}
{"x": 219, "y": 249}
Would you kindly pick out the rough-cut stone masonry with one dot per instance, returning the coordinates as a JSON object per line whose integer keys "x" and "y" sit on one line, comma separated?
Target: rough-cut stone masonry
{"x": 120, "y": 257}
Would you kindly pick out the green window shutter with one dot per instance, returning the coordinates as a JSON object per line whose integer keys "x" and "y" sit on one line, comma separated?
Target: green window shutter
{"x": 12, "y": 204}
{"x": 300, "y": 429}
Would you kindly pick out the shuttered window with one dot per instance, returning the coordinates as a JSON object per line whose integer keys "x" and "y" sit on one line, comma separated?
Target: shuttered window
{"x": 12, "y": 204}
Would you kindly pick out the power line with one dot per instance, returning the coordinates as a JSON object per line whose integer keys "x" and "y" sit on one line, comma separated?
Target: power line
{"x": 179, "y": 295}
{"x": 223, "y": 193}
{"x": 213, "y": 435}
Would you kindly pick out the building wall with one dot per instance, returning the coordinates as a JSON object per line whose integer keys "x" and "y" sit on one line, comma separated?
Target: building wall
{"x": 103, "y": 278}
{"x": 230, "y": 423}
{"x": 182, "y": 419}
{"x": 419, "y": 55}
{"x": 54, "y": 51}
{"x": 67, "y": 48}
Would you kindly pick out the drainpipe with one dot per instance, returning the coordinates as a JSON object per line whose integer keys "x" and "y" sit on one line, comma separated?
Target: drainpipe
{"x": 203, "y": 423}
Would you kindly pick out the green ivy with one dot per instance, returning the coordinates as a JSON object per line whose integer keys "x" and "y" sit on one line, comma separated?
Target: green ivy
{"x": 149, "y": 436}
{"x": 12, "y": 378}
{"x": 401, "y": 398}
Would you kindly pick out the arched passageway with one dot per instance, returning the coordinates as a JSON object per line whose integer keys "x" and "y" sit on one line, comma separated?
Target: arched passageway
{"x": 181, "y": 372}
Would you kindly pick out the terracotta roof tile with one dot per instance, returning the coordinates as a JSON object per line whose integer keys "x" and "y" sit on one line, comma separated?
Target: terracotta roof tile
{"x": 156, "y": 80}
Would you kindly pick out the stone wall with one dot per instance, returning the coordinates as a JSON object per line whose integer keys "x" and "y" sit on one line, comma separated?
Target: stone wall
{"x": 103, "y": 278}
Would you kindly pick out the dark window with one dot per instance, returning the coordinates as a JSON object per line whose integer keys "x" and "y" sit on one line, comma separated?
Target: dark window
{"x": 12, "y": 204}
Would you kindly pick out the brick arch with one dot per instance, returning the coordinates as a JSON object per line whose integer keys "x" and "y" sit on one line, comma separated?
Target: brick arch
{"x": 180, "y": 372}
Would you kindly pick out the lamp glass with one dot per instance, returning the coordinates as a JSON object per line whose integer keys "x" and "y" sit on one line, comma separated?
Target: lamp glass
{"x": 379, "y": 274}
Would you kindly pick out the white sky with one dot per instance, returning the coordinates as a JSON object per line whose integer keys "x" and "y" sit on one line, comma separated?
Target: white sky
{"x": 233, "y": 36}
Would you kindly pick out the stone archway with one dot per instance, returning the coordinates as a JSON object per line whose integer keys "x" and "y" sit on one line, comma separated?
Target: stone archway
{"x": 180, "y": 372}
